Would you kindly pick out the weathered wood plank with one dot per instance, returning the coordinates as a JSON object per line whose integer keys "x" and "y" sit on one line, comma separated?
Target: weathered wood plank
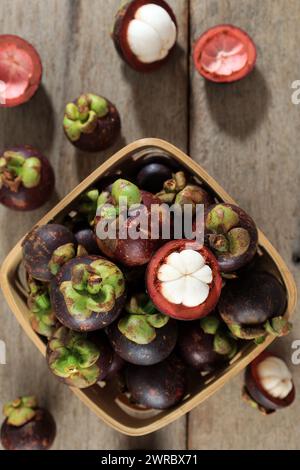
{"x": 72, "y": 37}
{"x": 246, "y": 136}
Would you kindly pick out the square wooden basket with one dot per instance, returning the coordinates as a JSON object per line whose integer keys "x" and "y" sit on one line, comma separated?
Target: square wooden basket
{"x": 105, "y": 402}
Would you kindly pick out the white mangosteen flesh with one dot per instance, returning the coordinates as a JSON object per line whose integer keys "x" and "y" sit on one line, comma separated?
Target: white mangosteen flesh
{"x": 16, "y": 67}
{"x": 275, "y": 377}
{"x": 224, "y": 54}
{"x": 185, "y": 278}
{"x": 151, "y": 34}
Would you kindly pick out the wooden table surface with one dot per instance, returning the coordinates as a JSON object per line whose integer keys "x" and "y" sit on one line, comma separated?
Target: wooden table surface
{"x": 245, "y": 134}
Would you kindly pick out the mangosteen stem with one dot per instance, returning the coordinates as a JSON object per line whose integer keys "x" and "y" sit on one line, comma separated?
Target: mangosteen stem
{"x": 16, "y": 170}
{"x": 20, "y": 411}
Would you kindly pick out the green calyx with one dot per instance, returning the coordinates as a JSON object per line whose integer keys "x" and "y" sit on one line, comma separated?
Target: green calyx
{"x": 221, "y": 219}
{"x": 60, "y": 256}
{"x": 73, "y": 358}
{"x": 191, "y": 194}
{"x": 142, "y": 320}
{"x": 20, "y": 411}
{"x": 124, "y": 191}
{"x": 42, "y": 318}
{"x": 210, "y": 324}
{"x": 93, "y": 288}
{"x": 173, "y": 187}
{"x": 277, "y": 326}
{"x": 15, "y": 170}
{"x": 224, "y": 344}
{"x": 82, "y": 116}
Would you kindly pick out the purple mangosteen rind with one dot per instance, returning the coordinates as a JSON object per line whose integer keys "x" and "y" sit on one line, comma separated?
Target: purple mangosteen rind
{"x": 158, "y": 386}
{"x": 91, "y": 123}
{"x": 84, "y": 301}
{"x": 46, "y": 248}
{"x": 87, "y": 238}
{"x": 27, "y": 426}
{"x": 26, "y": 178}
{"x": 76, "y": 360}
{"x": 231, "y": 234}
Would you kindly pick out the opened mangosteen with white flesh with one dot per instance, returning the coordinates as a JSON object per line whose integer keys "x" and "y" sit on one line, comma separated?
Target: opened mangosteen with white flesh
{"x": 77, "y": 360}
{"x": 254, "y": 305}
{"x": 143, "y": 335}
{"x": 91, "y": 123}
{"x": 269, "y": 384}
{"x": 26, "y": 178}
{"x": 204, "y": 345}
{"x": 145, "y": 33}
{"x": 183, "y": 280}
{"x": 231, "y": 234}
{"x": 27, "y": 426}
{"x": 46, "y": 249}
{"x": 88, "y": 293}
{"x": 159, "y": 386}
{"x": 126, "y": 250}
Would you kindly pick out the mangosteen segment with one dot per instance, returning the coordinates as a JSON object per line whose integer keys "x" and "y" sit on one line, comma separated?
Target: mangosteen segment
{"x": 183, "y": 280}
{"x": 224, "y": 53}
{"x": 231, "y": 234}
{"x": 145, "y": 33}
{"x": 158, "y": 386}
{"x": 42, "y": 318}
{"x": 73, "y": 358}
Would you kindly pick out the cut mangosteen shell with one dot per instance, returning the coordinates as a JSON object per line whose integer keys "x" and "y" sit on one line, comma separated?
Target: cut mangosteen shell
{"x": 124, "y": 16}
{"x": 178, "y": 311}
{"x": 238, "y": 33}
{"x": 35, "y": 74}
{"x": 258, "y": 393}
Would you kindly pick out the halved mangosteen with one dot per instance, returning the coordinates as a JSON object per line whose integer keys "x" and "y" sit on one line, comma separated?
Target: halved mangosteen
{"x": 27, "y": 426}
{"x": 88, "y": 293}
{"x": 183, "y": 280}
{"x": 224, "y": 53}
{"x": 254, "y": 305}
{"x": 120, "y": 234}
{"x": 145, "y": 33}
{"x": 76, "y": 360}
{"x": 231, "y": 234}
{"x": 159, "y": 386}
{"x": 143, "y": 335}
{"x": 204, "y": 345}
{"x": 268, "y": 384}
{"x": 46, "y": 249}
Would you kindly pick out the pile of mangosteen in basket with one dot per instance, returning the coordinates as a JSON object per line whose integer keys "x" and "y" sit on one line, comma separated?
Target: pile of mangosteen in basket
{"x": 155, "y": 314}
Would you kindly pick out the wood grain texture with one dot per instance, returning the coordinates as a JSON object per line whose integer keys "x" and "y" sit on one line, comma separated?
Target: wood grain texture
{"x": 72, "y": 37}
{"x": 246, "y": 136}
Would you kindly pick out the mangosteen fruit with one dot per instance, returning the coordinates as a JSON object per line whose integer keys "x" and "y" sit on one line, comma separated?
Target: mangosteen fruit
{"x": 46, "y": 248}
{"x": 145, "y": 33}
{"x": 27, "y": 426}
{"x": 26, "y": 178}
{"x": 269, "y": 384}
{"x": 143, "y": 335}
{"x": 88, "y": 293}
{"x": 159, "y": 386}
{"x": 91, "y": 123}
{"x": 76, "y": 360}
{"x": 179, "y": 191}
{"x": 232, "y": 236}
{"x": 152, "y": 176}
{"x": 254, "y": 305}
{"x": 123, "y": 223}
{"x": 183, "y": 280}
{"x": 224, "y": 53}
{"x": 115, "y": 367}
{"x": 86, "y": 237}
{"x": 42, "y": 318}
{"x": 20, "y": 70}
{"x": 204, "y": 345}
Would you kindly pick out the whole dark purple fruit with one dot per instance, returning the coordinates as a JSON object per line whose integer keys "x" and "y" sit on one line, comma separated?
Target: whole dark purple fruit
{"x": 232, "y": 236}
{"x": 152, "y": 176}
{"x": 91, "y": 123}
{"x": 46, "y": 249}
{"x": 26, "y": 178}
{"x": 76, "y": 360}
{"x": 87, "y": 238}
{"x": 27, "y": 427}
{"x": 116, "y": 366}
{"x": 159, "y": 386}
{"x": 254, "y": 305}
{"x": 203, "y": 346}
{"x": 88, "y": 293}
{"x": 143, "y": 336}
